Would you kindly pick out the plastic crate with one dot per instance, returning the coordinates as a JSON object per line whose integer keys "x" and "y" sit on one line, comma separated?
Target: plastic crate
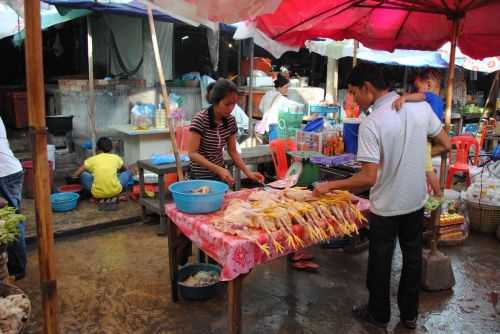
{"x": 322, "y": 110}
{"x": 315, "y": 141}
{"x": 289, "y": 123}
{"x": 309, "y": 141}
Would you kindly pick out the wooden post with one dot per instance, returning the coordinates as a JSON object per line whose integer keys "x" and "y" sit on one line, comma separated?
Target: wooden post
{"x": 43, "y": 209}
{"x": 91, "y": 88}
{"x": 250, "y": 90}
{"x": 355, "y": 53}
{"x": 234, "y": 305}
{"x": 491, "y": 100}
{"x": 449, "y": 94}
{"x": 238, "y": 80}
{"x": 332, "y": 80}
{"x": 164, "y": 93}
{"x": 405, "y": 79}
{"x": 251, "y": 141}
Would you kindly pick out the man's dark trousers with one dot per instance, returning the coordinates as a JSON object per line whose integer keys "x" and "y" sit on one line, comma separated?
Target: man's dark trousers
{"x": 383, "y": 234}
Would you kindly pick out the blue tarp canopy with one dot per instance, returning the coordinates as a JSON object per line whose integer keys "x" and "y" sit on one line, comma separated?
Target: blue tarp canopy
{"x": 121, "y": 7}
{"x": 12, "y": 24}
{"x": 131, "y": 8}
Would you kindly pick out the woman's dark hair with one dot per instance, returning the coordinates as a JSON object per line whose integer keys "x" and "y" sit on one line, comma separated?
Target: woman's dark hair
{"x": 209, "y": 89}
{"x": 220, "y": 90}
{"x": 366, "y": 72}
{"x": 280, "y": 81}
{"x": 104, "y": 144}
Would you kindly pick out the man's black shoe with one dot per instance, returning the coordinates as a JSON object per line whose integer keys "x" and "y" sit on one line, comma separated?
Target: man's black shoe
{"x": 361, "y": 312}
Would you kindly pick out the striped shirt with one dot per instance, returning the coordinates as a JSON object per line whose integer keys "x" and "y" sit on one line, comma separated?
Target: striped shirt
{"x": 213, "y": 139}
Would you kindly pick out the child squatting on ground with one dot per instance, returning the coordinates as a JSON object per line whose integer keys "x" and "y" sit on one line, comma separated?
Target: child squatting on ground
{"x": 104, "y": 175}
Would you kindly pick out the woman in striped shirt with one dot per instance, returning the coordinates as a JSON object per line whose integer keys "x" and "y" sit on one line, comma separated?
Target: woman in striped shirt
{"x": 213, "y": 129}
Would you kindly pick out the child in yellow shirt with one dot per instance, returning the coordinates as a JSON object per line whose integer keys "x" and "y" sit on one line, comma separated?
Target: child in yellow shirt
{"x": 104, "y": 175}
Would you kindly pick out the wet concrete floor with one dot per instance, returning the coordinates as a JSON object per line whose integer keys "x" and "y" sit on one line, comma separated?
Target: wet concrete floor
{"x": 116, "y": 281}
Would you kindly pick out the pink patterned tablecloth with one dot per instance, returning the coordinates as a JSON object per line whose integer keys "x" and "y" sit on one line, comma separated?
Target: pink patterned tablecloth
{"x": 236, "y": 255}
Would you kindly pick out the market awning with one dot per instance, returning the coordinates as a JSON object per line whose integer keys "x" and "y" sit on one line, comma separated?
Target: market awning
{"x": 227, "y": 11}
{"x": 439, "y": 58}
{"x": 12, "y": 22}
{"x": 137, "y": 8}
{"x": 341, "y": 49}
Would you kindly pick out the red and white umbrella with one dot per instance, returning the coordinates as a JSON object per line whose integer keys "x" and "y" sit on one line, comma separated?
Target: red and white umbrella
{"x": 227, "y": 11}
{"x": 388, "y": 24}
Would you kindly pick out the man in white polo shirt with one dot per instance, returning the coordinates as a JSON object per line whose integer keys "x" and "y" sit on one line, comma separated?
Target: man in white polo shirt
{"x": 392, "y": 153}
{"x": 11, "y": 186}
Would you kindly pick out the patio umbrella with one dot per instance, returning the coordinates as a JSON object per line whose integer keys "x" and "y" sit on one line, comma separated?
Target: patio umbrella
{"x": 486, "y": 65}
{"x": 392, "y": 24}
{"x": 12, "y": 20}
{"x": 388, "y": 24}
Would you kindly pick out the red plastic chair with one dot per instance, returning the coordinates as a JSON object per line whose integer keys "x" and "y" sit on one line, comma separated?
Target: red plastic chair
{"x": 279, "y": 147}
{"x": 463, "y": 146}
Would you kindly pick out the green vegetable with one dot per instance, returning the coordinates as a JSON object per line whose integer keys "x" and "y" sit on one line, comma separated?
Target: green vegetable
{"x": 9, "y": 225}
{"x": 433, "y": 203}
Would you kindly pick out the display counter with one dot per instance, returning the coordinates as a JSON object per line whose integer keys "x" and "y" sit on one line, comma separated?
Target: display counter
{"x": 141, "y": 144}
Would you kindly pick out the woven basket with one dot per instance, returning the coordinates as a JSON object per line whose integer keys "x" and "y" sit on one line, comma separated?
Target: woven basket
{"x": 483, "y": 218}
{"x": 7, "y": 290}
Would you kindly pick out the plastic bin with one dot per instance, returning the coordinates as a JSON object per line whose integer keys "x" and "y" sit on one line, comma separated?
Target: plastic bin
{"x": 289, "y": 123}
{"x": 330, "y": 111}
{"x": 189, "y": 202}
{"x": 309, "y": 141}
{"x": 313, "y": 141}
{"x": 63, "y": 202}
{"x": 28, "y": 187}
{"x": 350, "y": 134}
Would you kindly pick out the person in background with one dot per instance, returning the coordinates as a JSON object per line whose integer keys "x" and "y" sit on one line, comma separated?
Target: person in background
{"x": 427, "y": 83}
{"x": 211, "y": 130}
{"x": 11, "y": 187}
{"x": 392, "y": 151}
{"x": 104, "y": 175}
{"x": 239, "y": 115}
{"x": 272, "y": 102}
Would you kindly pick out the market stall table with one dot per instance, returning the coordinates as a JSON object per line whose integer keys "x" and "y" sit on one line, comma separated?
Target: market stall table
{"x": 237, "y": 256}
{"x": 252, "y": 155}
{"x": 157, "y": 204}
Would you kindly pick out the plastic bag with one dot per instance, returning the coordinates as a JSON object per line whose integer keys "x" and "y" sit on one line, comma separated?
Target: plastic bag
{"x": 142, "y": 116}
